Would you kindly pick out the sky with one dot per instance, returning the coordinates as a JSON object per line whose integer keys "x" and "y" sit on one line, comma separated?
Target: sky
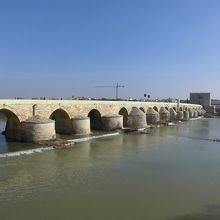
{"x": 64, "y": 48}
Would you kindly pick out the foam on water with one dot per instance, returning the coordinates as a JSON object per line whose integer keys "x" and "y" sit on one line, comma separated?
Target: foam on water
{"x": 42, "y": 149}
{"x": 92, "y": 137}
{"x": 193, "y": 119}
{"x": 26, "y": 152}
{"x": 172, "y": 124}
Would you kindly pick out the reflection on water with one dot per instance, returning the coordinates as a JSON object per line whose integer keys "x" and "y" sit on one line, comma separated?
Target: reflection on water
{"x": 164, "y": 175}
{"x": 211, "y": 212}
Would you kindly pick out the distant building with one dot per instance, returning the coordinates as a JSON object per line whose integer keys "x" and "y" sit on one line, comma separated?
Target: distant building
{"x": 215, "y": 102}
{"x": 203, "y": 99}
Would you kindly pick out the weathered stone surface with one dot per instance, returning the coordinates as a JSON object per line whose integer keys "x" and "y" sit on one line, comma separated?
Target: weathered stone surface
{"x": 164, "y": 115}
{"x": 81, "y": 125}
{"x": 186, "y": 115}
{"x": 112, "y": 122}
{"x": 153, "y": 116}
{"x": 136, "y": 119}
{"x": 37, "y": 128}
{"x": 191, "y": 113}
{"x": 180, "y": 116}
{"x": 37, "y": 119}
{"x": 195, "y": 114}
{"x": 173, "y": 114}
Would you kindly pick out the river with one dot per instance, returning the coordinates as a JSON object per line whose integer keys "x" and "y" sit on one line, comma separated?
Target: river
{"x": 171, "y": 174}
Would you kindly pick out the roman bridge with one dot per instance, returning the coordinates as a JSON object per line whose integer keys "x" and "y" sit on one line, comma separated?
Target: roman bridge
{"x": 81, "y": 116}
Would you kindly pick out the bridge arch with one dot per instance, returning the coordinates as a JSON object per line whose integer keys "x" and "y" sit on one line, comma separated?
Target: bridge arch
{"x": 156, "y": 109}
{"x": 124, "y": 112}
{"x": 9, "y": 114}
{"x": 181, "y": 108}
{"x": 142, "y": 109}
{"x": 62, "y": 121}
{"x": 12, "y": 123}
{"x": 174, "y": 108}
{"x": 95, "y": 119}
{"x": 59, "y": 113}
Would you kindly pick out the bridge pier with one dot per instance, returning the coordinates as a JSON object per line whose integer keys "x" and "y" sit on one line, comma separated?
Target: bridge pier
{"x": 136, "y": 119}
{"x": 186, "y": 115}
{"x": 37, "y": 129}
{"x": 81, "y": 125}
{"x": 180, "y": 116}
{"x": 152, "y": 116}
{"x": 112, "y": 122}
{"x": 191, "y": 114}
{"x": 195, "y": 114}
{"x": 173, "y": 114}
{"x": 164, "y": 115}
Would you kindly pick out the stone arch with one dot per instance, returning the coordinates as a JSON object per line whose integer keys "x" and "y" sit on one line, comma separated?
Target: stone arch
{"x": 167, "y": 108}
{"x": 124, "y": 112}
{"x": 12, "y": 124}
{"x": 174, "y": 108}
{"x": 59, "y": 113}
{"x": 95, "y": 119}
{"x": 9, "y": 114}
{"x": 62, "y": 121}
{"x": 181, "y": 109}
{"x": 142, "y": 109}
{"x": 155, "y": 108}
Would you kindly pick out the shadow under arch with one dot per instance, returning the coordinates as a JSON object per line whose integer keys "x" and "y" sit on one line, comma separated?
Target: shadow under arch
{"x": 142, "y": 109}
{"x": 181, "y": 109}
{"x": 95, "y": 119}
{"x": 156, "y": 109}
{"x": 62, "y": 121}
{"x": 174, "y": 108}
{"x": 124, "y": 112}
{"x": 12, "y": 124}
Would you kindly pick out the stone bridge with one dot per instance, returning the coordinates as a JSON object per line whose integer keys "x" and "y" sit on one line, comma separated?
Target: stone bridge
{"x": 80, "y": 116}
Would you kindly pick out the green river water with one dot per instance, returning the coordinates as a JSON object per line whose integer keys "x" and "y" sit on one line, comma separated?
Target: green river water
{"x": 171, "y": 174}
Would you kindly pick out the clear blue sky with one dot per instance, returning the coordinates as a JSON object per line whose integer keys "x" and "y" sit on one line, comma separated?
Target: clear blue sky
{"x": 60, "y": 48}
